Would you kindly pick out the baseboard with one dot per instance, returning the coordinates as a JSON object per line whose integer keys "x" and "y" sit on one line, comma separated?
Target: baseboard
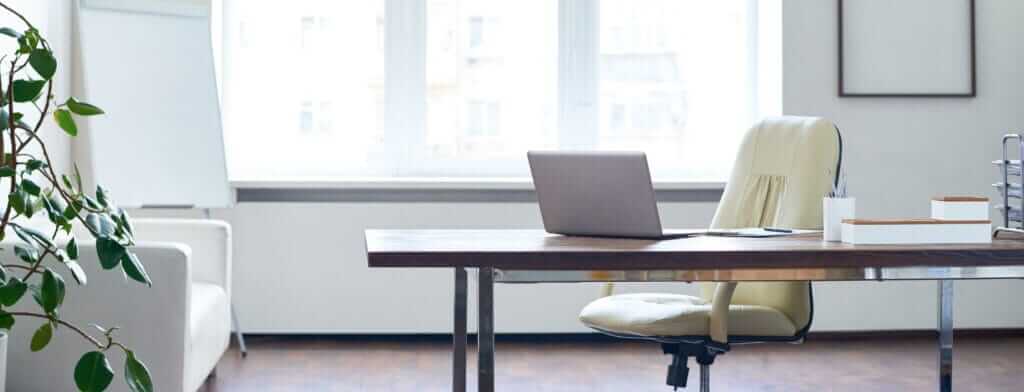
{"x": 596, "y": 337}
{"x": 916, "y": 333}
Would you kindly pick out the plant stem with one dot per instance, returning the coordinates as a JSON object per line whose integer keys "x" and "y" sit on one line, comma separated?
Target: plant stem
{"x": 73, "y": 327}
{"x": 42, "y": 116}
{"x": 35, "y": 266}
{"x": 14, "y": 146}
{"x": 20, "y": 16}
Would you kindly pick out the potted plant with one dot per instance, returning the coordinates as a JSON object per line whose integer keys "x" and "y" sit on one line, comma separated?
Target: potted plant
{"x": 43, "y": 257}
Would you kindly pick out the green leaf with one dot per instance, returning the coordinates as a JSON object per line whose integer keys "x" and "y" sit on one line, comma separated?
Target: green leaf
{"x": 77, "y": 272}
{"x": 55, "y": 206}
{"x": 12, "y": 292}
{"x": 110, "y": 252}
{"x": 67, "y": 182}
{"x": 30, "y": 187}
{"x": 71, "y": 212}
{"x": 78, "y": 177}
{"x": 5, "y": 121}
{"x": 92, "y": 203}
{"x": 101, "y": 196}
{"x": 30, "y": 205}
{"x": 127, "y": 222}
{"x": 42, "y": 337}
{"x": 6, "y": 320}
{"x": 6, "y": 171}
{"x": 26, "y": 252}
{"x": 101, "y": 224}
{"x": 83, "y": 108}
{"x": 28, "y": 41}
{"x": 136, "y": 374}
{"x": 10, "y": 32}
{"x": 29, "y": 234}
{"x": 93, "y": 372}
{"x": 51, "y": 291}
{"x": 27, "y": 90}
{"x": 72, "y": 249}
{"x": 24, "y": 45}
{"x": 64, "y": 120}
{"x": 43, "y": 62}
{"x": 18, "y": 200}
{"x": 134, "y": 269}
{"x": 34, "y": 164}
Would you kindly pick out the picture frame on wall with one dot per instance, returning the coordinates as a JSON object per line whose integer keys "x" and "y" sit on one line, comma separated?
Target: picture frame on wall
{"x": 907, "y": 48}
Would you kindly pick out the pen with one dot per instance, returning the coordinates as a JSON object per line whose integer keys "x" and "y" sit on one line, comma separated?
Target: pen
{"x": 778, "y": 230}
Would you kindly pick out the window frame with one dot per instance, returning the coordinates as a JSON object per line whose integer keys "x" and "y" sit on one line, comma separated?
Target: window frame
{"x": 578, "y": 89}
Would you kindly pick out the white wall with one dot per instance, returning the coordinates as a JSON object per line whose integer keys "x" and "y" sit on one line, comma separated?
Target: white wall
{"x": 900, "y": 152}
{"x": 301, "y": 267}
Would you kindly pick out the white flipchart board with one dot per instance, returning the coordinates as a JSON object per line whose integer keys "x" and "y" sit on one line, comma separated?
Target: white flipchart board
{"x": 149, "y": 64}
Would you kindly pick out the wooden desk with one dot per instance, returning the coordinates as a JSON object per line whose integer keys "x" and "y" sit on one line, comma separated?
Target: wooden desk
{"x": 533, "y": 256}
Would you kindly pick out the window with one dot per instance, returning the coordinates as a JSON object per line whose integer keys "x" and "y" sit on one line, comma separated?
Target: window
{"x": 303, "y": 84}
{"x": 463, "y": 88}
{"x": 476, "y": 31}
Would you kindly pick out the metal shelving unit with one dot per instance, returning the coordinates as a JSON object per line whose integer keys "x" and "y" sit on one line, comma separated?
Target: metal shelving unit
{"x": 1011, "y": 192}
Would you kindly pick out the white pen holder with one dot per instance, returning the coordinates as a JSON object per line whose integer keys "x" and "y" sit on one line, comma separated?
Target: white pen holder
{"x": 834, "y": 210}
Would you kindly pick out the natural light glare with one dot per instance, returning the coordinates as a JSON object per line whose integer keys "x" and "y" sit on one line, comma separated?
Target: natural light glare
{"x": 303, "y": 84}
{"x": 463, "y": 88}
{"x": 491, "y": 86}
{"x": 674, "y": 82}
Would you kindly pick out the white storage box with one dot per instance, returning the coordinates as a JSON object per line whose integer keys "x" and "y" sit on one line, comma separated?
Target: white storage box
{"x": 916, "y": 231}
{"x": 960, "y": 208}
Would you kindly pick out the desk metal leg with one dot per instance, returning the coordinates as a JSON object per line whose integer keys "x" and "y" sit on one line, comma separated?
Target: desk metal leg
{"x": 459, "y": 332}
{"x": 485, "y": 335}
{"x": 945, "y": 327}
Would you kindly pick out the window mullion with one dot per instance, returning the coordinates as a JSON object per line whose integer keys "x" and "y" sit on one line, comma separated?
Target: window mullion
{"x": 578, "y": 61}
{"x": 405, "y": 105}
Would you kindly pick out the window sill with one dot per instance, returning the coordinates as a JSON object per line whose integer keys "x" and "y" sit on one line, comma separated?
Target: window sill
{"x": 440, "y": 183}
{"x": 434, "y": 190}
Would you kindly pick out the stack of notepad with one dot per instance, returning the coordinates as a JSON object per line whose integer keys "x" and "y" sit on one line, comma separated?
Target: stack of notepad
{"x": 954, "y": 220}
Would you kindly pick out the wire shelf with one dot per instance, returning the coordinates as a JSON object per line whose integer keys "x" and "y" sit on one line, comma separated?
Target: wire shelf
{"x": 1013, "y": 214}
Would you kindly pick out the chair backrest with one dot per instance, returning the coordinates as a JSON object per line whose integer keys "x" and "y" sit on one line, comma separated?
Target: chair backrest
{"x": 784, "y": 167}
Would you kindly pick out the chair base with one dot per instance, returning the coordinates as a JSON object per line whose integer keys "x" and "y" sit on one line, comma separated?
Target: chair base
{"x": 703, "y": 353}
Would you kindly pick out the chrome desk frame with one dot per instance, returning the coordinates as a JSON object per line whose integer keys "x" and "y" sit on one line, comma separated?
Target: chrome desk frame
{"x": 489, "y": 275}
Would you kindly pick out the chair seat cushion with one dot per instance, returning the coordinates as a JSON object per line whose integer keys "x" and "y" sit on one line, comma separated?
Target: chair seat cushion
{"x": 679, "y": 315}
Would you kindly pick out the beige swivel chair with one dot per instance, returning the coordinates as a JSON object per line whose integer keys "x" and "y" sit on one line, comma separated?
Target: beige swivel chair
{"x": 783, "y": 169}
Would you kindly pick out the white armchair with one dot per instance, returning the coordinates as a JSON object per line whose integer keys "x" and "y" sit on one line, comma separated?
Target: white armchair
{"x": 180, "y": 327}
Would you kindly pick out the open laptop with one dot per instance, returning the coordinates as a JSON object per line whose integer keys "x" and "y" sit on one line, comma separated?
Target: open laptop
{"x": 605, "y": 194}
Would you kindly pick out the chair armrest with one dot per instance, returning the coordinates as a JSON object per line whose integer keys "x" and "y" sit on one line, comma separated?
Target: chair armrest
{"x": 719, "y": 327}
{"x": 209, "y": 240}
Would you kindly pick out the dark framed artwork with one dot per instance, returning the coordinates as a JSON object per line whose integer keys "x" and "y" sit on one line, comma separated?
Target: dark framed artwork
{"x": 907, "y": 48}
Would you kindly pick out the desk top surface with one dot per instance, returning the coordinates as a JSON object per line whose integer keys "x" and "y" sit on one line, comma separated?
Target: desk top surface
{"x": 536, "y": 249}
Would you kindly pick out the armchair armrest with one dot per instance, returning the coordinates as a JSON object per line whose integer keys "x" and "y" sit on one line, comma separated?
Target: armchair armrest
{"x": 209, "y": 241}
{"x": 719, "y": 327}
